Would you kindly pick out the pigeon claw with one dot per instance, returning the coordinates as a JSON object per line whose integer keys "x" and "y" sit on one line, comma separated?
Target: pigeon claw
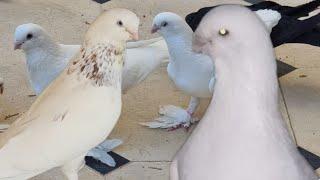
{"x": 186, "y": 126}
{"x": 175, "y": 127}
{"x": 171, "y": 118}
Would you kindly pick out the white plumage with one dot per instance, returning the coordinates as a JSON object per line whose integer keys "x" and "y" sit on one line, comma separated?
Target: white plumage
{"x": 142, "y": 58}
{"x": 242, "y": 136}
{"x": 46, "y": 59}
{"x": 191, "y": 72}
{"x": 270, "y": 18}
{"x": 77, "y": 111}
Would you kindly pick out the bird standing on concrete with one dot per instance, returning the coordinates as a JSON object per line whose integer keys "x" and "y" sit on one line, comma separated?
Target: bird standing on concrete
{"x": 242, "y": 135}
{"x": 78, "y": 110}
{"x": 191, "y": 72}
{"x": 46, "y": 59}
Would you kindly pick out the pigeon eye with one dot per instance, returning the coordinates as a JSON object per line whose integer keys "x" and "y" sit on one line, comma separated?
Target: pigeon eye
{"x": 29, "y": 36}
{"x": 120, "y": 23}
{"x": 164, "y": 24}
{"x": 223, "y": 32}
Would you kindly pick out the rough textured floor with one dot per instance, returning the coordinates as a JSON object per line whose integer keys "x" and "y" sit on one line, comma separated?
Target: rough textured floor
{"x": 150, "y": 151}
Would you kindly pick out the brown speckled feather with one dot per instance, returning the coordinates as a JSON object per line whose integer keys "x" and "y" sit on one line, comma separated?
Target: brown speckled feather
{"x": 95, "y": 64}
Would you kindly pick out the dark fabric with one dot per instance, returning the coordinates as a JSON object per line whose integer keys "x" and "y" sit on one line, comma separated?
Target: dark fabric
{"x": 254, "y": 1}
{"x": 289, "y": 28}
{"x": 294, "y": 12}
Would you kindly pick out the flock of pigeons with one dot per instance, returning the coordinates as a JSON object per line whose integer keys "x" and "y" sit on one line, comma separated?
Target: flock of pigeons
{"x": 229, "y": 57}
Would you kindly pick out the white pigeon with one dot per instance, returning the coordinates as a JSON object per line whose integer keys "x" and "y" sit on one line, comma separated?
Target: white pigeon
{"x": 46, "y": 59}
{"x": 75, "y": 112}
{"x": 191, "y": 72}
{"x": 242, "y": 136}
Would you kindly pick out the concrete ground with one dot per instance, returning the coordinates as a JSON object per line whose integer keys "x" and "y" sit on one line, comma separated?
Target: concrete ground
{"x": 150, "y": 151}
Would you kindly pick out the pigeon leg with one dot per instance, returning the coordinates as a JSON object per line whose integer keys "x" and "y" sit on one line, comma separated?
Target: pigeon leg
{"x": 173, "y": 117}
{"x": 193, "y": 105}
{"x": 109, "y": 144}
{"x": 72, "y": 168}
{"x": 100, "y": 152}
{"x": 103, "y": 156}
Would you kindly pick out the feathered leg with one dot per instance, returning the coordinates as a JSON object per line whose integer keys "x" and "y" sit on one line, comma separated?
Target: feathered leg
{"x": 100, "y": 152}
{"x": 193, "y": 105}
{"x": 173, "y": 117}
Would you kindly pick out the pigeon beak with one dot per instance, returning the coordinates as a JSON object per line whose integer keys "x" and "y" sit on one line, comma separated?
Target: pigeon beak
{"x": 135, "y": 36}
{"x": 17, "y": 45}
{"x": 154, "y": 29}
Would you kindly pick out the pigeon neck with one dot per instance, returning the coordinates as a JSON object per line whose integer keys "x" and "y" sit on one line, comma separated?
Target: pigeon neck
{"x": 252, "y": 83}
{"x": 246, "y": 97}
{"x": 179, "y": 43}
{"x": 44, "y": 54}
{"x": 101, "y": 64}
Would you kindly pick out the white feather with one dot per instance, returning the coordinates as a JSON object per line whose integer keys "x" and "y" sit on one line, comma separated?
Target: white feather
{"x": 270, "y": 18}
{"x": 242, "y": 129}
{"x": 46, "y": 61}
{"x": 77, "y": 111}
{"x": 191, "y": 72}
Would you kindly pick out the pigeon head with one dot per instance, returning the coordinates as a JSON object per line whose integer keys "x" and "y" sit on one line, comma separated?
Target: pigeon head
{"x": 28, "y": 36}
{"x": 115, "y": 25}
{"x": 169, "y": 24}
{"x": 232, "y": 31}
